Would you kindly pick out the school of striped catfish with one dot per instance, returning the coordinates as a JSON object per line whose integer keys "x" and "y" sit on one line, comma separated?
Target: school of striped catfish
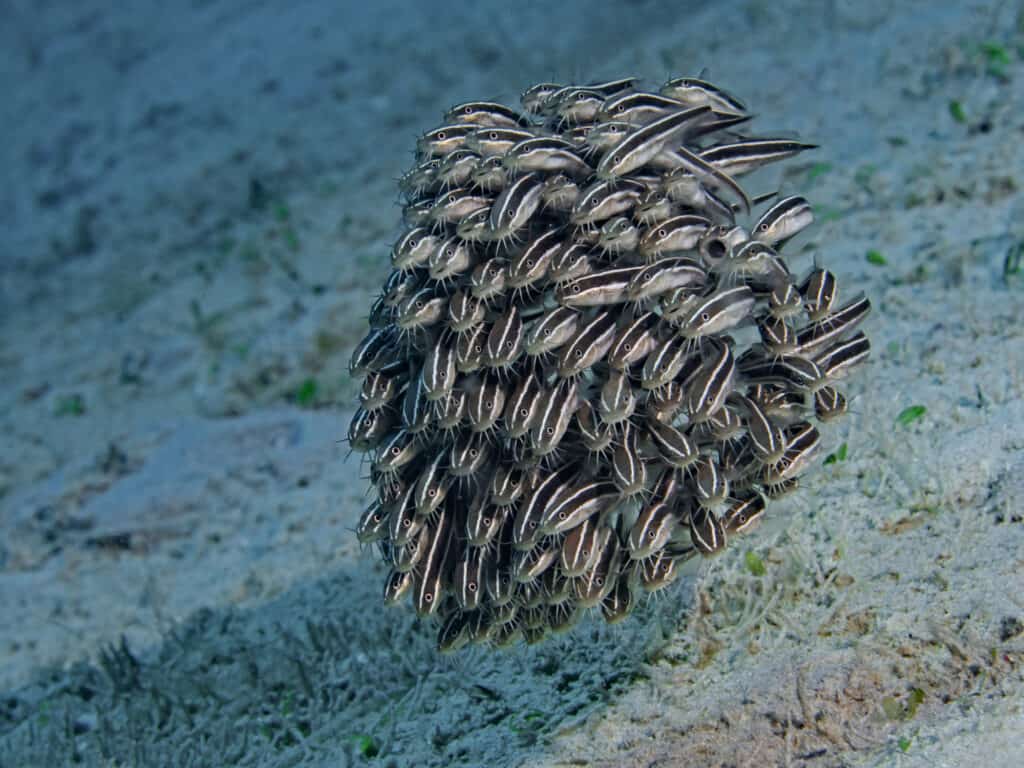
{"x": 583, "y": 370}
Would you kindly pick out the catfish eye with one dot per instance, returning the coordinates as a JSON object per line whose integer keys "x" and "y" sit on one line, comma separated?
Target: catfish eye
{"x": 616, "y": 159}
{"x": 576, "y": 289}
{"x": 441, "y": 135}
{"x": 662, "y": 233}
{"x": 704, "y": 317}
{"x": 493, "y": 135}
{"x": 627, "y": 347}
{"x": 473, "y": 453}
{"x": 471, "y": 586}
{"x": 467, "y": 110}
{"x": 413, "y": 243}
{"x": 428, "y": 597}
{"x": 579, "y": 353}
{"x": 395, "y": 451}
{"x": 621, "y": 108}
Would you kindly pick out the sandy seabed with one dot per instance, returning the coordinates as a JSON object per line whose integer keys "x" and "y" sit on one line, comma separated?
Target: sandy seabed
{"x": 198, "y": 210}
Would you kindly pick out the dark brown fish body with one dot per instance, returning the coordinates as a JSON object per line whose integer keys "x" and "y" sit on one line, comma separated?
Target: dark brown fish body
{"x": 428, "y": 585}
{"x": 369, "y": 428}
{"x": 600, "y": 578}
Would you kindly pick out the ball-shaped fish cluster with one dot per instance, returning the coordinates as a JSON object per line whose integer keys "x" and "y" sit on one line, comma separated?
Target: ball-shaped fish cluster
{"x": 582, "y": 370}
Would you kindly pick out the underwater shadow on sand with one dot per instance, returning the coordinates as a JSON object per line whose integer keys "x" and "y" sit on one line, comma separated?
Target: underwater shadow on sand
{"x": 324, "y": 673}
